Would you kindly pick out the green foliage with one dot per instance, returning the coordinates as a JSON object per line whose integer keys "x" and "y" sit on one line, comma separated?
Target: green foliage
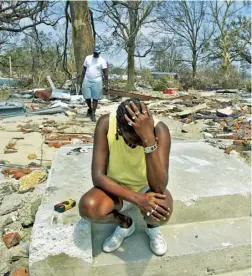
{"x": 35, "y": 59}
{"x": 147, "y": 76}
{"x": 166, "y": 82}
{"x": 247, "y": 85}
{"x": 213, "y": 76}
{"x": 116, "y": 70}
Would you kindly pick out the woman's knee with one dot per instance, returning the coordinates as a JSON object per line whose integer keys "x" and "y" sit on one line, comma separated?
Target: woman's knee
{"x": 88, "y": 207}
{"x": 94, "y": 207}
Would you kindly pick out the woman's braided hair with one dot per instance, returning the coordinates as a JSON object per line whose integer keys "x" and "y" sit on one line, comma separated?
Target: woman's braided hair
{"x": 121, "y": 123}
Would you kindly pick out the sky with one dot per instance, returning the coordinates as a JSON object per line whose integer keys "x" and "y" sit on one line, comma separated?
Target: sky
{"x": 118, "y": 58}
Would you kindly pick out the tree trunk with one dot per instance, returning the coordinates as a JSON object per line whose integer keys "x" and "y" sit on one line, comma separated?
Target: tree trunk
{"x": 226, "y": 60}
{"x": 131, "y": 67}
{"x": 82, "y": 36}
{"x": 194, "y": 64}
{"x": 225, "y": 65}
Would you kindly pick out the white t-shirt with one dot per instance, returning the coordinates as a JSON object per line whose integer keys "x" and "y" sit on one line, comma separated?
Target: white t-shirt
{"x": 94, "y": 67}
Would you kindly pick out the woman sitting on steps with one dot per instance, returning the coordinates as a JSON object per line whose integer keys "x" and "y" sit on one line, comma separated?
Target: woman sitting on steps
{"x": 130, "y": 162}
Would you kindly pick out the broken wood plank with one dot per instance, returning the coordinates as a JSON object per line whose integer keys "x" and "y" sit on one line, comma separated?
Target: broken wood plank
{"x": 188, "y": 111}
{"x": 124, "y": 94}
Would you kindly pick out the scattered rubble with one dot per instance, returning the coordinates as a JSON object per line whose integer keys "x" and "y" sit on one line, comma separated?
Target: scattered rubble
{"x": 23, "y": 271}
{"x": 64, "y": 139}
{"x": 32, "y": 156}
{"x": 11, "y": 239}
{"x": 31, "y": 180}
{"x": 16, "y": 173}
{"x": 222, "y": 118}
{"x": 11, "y": 109}
{"x": 17, "y": 215}
{"x": 227, "y": 121}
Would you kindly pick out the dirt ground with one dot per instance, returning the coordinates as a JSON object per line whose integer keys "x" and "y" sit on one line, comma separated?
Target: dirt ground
{"x": 33, "y": 142}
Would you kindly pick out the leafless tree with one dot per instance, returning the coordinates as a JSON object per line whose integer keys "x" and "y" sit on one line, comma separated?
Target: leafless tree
{"x": 187, "y": 20}
{"x": 225, "y": 45}
{"x": 17, "y": 16}
{"x": 242, "y": 38}
{"x": 125, "y": 19}
{"x": 166, "y": 56}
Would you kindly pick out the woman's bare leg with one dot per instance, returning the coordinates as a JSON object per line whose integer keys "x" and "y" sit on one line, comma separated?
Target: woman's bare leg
{"x": 99, "y": 207}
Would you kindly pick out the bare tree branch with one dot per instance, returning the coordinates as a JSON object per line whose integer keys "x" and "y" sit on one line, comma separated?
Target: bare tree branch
{"x": 37, "y": 12}
{"x": 125, "y": 19}
{"x": 66, "y": 40}
{"x": 146, "y": 52}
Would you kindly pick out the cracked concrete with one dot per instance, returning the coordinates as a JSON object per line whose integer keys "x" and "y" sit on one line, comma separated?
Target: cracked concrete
{"x": 204, "y": 207}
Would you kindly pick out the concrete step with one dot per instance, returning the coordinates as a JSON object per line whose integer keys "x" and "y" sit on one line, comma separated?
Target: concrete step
{"x": 246, "y": 272}
{"x": 194, "y": 249}
{"x": 205, "y": 184}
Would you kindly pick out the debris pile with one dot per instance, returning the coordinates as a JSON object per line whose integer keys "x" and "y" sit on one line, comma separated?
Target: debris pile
{"x": 226, "y": 121}
{"x": 59, "y": 140}
{"x": 19, "y": 201}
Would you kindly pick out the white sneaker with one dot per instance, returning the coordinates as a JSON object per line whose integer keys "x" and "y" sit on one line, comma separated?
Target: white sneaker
{"x": 115, "y": 240}
{"x": 158, "y": 244}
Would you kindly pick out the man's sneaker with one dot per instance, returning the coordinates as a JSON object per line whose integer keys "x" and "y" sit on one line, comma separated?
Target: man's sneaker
{"x": 89, "y": 113}
{"x": 115, "y": 240}
{"x": 158, "y": 244}
{"x": 93, "y": 117}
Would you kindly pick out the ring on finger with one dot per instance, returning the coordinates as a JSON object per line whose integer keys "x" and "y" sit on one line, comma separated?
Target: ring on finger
{"x": 130, "y": 123}
{"x": 133, "y": 118}
{"x": 144, "y": 112}
{"x": 137, "y": 112}
{"x": 148, "y": 214}
{"x": 156, "y": 207}
{"x": 152, "y": 211}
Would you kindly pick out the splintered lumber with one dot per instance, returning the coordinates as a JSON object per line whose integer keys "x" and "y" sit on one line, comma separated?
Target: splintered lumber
{"x": 124, "y": 94}
{"x": 191, "y": 110}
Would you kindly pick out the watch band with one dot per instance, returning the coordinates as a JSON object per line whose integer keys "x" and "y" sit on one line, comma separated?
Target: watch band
{"x": 150, "y": 149}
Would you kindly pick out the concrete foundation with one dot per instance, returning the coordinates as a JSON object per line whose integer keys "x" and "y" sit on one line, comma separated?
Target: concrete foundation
{"x": 209, "y": 232}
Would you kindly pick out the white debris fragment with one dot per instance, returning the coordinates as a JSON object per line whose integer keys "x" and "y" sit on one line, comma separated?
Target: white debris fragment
{"x": 226, "y": 244}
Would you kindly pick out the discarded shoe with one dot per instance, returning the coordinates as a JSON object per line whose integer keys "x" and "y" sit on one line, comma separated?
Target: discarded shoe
{"x": 158, "y": 244}
{"x": 114, "y": 241}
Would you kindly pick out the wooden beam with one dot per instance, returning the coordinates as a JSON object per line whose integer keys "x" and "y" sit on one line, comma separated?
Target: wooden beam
{"x": 124, "y": 94}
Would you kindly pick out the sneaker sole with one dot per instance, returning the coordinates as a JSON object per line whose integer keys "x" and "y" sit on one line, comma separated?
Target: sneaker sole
{"x": 128, "y": 235}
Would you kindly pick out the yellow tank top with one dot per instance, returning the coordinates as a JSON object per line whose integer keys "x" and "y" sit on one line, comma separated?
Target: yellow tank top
{"x": 127, "y": 166}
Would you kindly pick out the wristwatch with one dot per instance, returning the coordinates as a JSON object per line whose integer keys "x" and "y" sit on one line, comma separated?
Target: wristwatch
{"x": 150, "y": 149}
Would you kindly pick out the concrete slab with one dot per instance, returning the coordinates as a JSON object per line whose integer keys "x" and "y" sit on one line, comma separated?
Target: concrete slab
{"x": 61, "y": 243}
{"x": 201, "y": 248}
{"x": 199, "y": 170}
{"x": 204, "y": 183}
{"x": 246, "y": 272}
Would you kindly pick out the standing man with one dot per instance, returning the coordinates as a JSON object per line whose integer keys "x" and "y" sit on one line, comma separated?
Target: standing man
{"x": 95, "y": 71}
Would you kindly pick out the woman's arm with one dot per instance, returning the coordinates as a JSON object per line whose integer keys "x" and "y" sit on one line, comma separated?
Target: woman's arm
{"x": 157, "y": 162}
{"x": 145, "y": 202}
{"x": 100, "y": 163}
